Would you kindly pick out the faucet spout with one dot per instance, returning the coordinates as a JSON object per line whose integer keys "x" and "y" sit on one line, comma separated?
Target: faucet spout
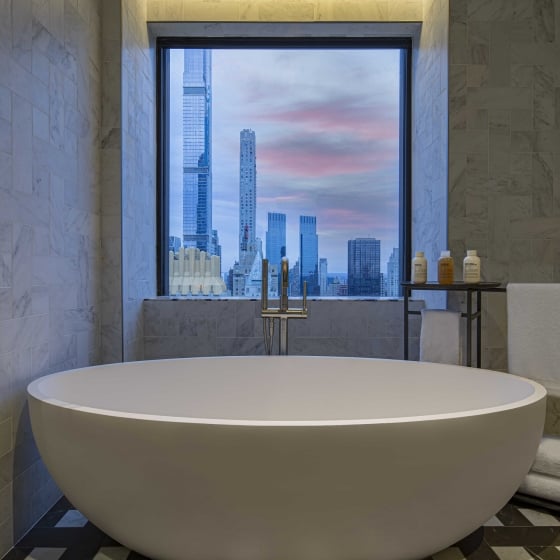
{"x": 282, "y": 313}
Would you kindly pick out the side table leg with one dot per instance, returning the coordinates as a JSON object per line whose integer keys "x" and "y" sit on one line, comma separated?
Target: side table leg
{"x": 478, "y": 329}
{"x": 405, "y": 323}
{"x": 469, "y": 328}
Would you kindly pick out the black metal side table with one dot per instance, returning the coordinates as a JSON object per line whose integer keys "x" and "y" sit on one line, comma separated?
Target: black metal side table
{"x": 477, "y": 289}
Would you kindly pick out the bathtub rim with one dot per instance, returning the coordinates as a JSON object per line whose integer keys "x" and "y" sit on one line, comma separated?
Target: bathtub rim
{"x": 34, "y": 391}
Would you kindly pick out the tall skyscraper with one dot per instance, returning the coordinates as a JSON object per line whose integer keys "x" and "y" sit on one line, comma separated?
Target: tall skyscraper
{"x": 276, "y": 238}
{"x": 197, "y": 150}
{"x": 364, "y": 277}
{"x": 246, "y": 279}
{"x": 309, "y": 254}
{"x": 393, "y": 276}
{"x": 323, "y": 278}
{"x": 247, "y": 191}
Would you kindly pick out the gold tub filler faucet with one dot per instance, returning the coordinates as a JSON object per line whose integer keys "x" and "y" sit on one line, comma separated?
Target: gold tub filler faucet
{"x": 282, "y": 313}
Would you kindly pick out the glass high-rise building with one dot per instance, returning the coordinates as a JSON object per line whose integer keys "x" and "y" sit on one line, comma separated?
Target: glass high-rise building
{"x": 393, "y": 275}
{"x": 197, "y": 152}
{"x": 323, "y": 277}
{"x": 309, "y": 254}
{"x": 276, "y": 238}
{"x": 247, "y": 191}
{"x": 364, "y": 274}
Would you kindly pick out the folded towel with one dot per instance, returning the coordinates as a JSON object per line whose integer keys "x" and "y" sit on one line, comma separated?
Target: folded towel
{"x": 534, "y": 331}
{"x": 547, "y": 460}
{"x": 440, "y": 336}
{"x": 541, "y": 486}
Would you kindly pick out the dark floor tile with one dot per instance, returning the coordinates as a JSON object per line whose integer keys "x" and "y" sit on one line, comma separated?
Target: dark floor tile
{"x": 544, "y": 553}
{"x": 17, "y": 554}
{"x": 522, "y": 536}
{"x": 472, "y": 542}
{"x": 482, "y": 552}
{"x": 136, "y": 556}
{"x": 510, "y": 516}
{"x": 64, "y": 537}
{"x": 55, "y": 514}
{"x": 80, "y": 553}
{"x": 50, "y": 519}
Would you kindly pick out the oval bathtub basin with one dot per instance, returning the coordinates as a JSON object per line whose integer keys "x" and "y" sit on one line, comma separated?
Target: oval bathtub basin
{"x": 286, "y": 457}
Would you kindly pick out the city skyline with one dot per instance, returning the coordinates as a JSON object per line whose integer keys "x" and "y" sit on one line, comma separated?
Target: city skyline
{"x": 327, "y": 145}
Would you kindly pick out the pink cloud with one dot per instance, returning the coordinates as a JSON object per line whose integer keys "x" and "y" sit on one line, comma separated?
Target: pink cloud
{"x": 313, "y": 157}
{"x": 341, "y": 115}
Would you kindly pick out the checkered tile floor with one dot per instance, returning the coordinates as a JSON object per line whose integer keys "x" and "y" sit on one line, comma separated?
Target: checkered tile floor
{"x": 520, "y": 531}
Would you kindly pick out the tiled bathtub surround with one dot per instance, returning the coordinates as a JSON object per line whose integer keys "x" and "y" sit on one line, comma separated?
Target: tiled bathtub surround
{"x": 363, "y": 328}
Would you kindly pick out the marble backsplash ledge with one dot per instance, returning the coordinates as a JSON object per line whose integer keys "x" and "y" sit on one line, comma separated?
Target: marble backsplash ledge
{"x": 191, "y": 328}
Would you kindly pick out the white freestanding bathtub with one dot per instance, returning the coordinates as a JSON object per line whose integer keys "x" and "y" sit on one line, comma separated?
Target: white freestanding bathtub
{"x": 287, "y": 458}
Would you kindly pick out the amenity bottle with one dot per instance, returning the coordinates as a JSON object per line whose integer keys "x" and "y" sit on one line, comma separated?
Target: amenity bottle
{"x": 471, "y": 268}
{"x": 419, "y": 268}
{"x": 445, "y": 268}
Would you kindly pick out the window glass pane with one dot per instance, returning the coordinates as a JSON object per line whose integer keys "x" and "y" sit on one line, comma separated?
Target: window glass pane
{"x": 277, "y": 153}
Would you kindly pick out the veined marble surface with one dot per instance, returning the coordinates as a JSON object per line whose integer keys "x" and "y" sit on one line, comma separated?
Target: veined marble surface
{"x": 50, "y": 216}
{"x": 504, "y": 144}
{"x": 185, "y": 327}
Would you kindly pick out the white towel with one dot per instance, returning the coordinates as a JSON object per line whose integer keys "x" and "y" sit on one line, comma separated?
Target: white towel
{"x": 534, "y": 331}
{"x": 541, "y": 486}
{"x": 547, "y": 460}
{"x": 440, "y": 336}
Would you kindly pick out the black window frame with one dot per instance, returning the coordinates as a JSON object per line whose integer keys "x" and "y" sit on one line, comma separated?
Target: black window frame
{"x": 164, "y": 44}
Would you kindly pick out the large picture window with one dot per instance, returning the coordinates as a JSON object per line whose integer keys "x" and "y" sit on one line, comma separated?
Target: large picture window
{"x": 277, "y": 149}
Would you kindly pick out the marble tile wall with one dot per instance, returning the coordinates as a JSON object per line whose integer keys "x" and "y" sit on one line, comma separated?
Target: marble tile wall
{"x": 50, "y": 263}
{"x": 504, "y": 146}
{"x": 111, "y": 180}
{"x": 429, "y": 141}
{"x": 190, "y": 328}
{"x": 138, "y": 173}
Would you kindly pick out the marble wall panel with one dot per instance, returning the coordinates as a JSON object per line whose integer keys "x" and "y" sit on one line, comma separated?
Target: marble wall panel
{"x": 511, "y": 95}
{"x": 111, "y": 194}
{"x": 188, "y": 328}
{"x": 50, "y": 216}
{"x": 429, "y": 155}
{"x": 138, "y": 173}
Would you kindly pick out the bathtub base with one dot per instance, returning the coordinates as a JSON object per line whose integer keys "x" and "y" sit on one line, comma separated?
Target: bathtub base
{"x": 303, "y": 493}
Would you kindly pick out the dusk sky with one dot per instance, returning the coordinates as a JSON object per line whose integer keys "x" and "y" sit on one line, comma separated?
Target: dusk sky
{"x": 326, "y": 126}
